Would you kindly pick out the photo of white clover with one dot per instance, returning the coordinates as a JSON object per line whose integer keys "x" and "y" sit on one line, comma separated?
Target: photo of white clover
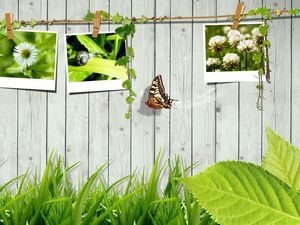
{"x": 232, "y": 50}
{"x": 30, "y": 55}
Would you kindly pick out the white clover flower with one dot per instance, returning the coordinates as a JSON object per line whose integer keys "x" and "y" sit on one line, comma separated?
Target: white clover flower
{"x": 234, "y": 37}
{"x": 230, "y": 60}
{"x": 217, "y": 43}
{"x": 213, "y": 61}
{"x": 243, "y": 29}
{"x": 246, "y": 36}
{"x": 246, "y": 46}
{"x": 257, "y": 36}
{"x": 226, "y": 29}
{"x": 25, "y": 54}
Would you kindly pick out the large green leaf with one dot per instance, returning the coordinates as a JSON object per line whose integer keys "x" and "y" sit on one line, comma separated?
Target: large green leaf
{"x": 102, "y": 66}
{"x": 282, "y": 160}
{"x": 239, "y": 193}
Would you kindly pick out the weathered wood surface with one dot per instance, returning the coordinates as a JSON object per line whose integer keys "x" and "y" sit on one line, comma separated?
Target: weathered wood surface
{"x": 209, "y": 122}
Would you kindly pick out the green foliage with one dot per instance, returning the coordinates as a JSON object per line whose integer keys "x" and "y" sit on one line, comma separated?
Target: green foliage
{"x": 293, "y": 11}
{"x": 143, "y": 19}
{"x": 117, "y": 18}
{"x": 126, "y": 30}
{"x": 242, "y": 193}
{"x": 32, "y": 23}
{"x": 282, "y": 160}
{"x": 131, "y": 200}
{"x": 239, "y": 192}
{"x": 89, "y": 16}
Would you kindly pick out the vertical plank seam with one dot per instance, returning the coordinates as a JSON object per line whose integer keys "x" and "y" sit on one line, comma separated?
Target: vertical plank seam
{"x": 262, "y": 117}
{"x": 66, "y": 86}
{"x": 47, "y": 99}
{"x": 170, "y": 75}
{"x": 192, "y": 88}
{"x": 130, "y": 138}
{"x": 88, "y": 118}
{"x": 154, "y": 69}
{"x": 291, "y": 78}
{"x": 18, "y": 108}
{"x": 216, "y": 94}
{"x": 108, "y": 116}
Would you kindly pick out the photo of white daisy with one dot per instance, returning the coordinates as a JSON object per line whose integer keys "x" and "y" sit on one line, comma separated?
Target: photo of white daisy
{"x": 28, "y": 61}
{"x": 229, "y": 53}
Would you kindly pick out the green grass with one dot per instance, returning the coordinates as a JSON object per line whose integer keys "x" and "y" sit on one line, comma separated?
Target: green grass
{"x": 53, "y": 200}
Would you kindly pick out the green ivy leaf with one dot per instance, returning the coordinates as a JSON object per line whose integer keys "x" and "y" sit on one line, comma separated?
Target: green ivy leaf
{"x": 105, "y": 15}
{"x": 259, "y": 87}
{"x": 129, "y": 99}
{"x": 125, "y": 30}
{"x": 266, "y": 44}
{"x": 89, "y": 16}
{"x": 143, "y": 19}
{"x": 16, "y": 25}
{"x": 126, "y": 84}
{"x": 132, "y": 93}
{"x": 123, "y": 61}
{"x": 132, "y": 73}
{"x": 257, "y": 57}
{"x": 32, "y": 23}
{"x": 251, "y": 12}
{"x": 293, "y": 11}
{"x": 127, "y": 115}
{"x": 126, "y": 21}
{"x": 263, "y": 11}
{"x": 130, "y": 52}
{"x": 2, "y": 23}
{"x": 261, "y": 72}
{"x": 263, "y": 30}
{"x": 116, "y": 18}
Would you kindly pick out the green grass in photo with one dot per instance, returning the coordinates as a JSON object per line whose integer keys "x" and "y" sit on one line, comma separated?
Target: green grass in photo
{"x": 28, "y": 55}
{"x": 92, "y": 59}
{"x": 232, "y": 50}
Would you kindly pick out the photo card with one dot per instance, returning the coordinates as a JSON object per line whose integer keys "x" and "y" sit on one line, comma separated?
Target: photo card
{"x": 91, "y": 62}
{"x": 229, "y": 55}
{"x": 28, "y": 61}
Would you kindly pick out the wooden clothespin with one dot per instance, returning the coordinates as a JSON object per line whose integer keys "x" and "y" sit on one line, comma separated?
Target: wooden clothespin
{"x": 238, "y": 12}
{"x": 96, "y": 24}
{"x": 9, "y": 20}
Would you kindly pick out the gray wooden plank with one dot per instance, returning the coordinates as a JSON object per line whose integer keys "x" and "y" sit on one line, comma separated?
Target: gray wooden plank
{"x": 227, "y": 106}
{"x": 181, "y": 82}
{"x": 56, "y": 111}
{"x": 250, "y": 116}
{"x": 119, "y": 127}
{"x": 142, "y": 117}
{"x": 203, "y": 102}
{"x": 32, "y": 106}
{"x": 77, "y": 106}
{"x": 8, "y": 112}
{"x": 295, "y": 46}
{"x": 162, "y": 66}
{"x": 98, "y": 115}
{"x": 277, "y": 98}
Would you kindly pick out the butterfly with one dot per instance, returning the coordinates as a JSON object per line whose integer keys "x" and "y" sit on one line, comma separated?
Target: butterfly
{"x": 158, "y": 98}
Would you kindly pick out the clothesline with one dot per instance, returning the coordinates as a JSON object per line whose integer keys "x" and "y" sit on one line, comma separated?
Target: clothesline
{"x": 148, "y": 19}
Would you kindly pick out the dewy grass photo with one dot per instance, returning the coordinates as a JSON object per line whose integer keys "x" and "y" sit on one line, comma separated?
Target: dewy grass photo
{"x": 28, "y": 61}
{"x": 230, "y": 54}
{"x": 92, "y": 62}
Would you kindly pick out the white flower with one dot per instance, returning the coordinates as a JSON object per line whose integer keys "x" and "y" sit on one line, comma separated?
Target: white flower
{"x": 216, "y": 43}
{"x": 213, "y": 61}
{"x": 243, "y": 29}
{"x": 255, "y": 32}
{"x": 226, "y": 29}
{"x": 234, "y": 37}
{"x": 230, "y": 60}
{"x": 25, "y": 54}
{"x": 246, "y": 45}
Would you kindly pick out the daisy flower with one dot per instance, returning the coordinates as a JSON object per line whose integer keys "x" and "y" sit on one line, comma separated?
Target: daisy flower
{"x": 25, "y": 54}
{"x": 230, "y": 60}
{"x": 217, "y": 43}
{"x": 226, "y": 29}
{"x": 212, "y": 62}
{"x": 246, "y": 46}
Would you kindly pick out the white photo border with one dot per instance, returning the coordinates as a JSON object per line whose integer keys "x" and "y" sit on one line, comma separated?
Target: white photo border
{"x": 31, "y": 83}
{"x": 90, "y": 86}
{"x": 224, "y": 77}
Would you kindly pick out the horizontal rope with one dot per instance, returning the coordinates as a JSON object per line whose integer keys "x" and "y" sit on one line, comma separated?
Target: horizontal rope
{"x": 149, "y": 19}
